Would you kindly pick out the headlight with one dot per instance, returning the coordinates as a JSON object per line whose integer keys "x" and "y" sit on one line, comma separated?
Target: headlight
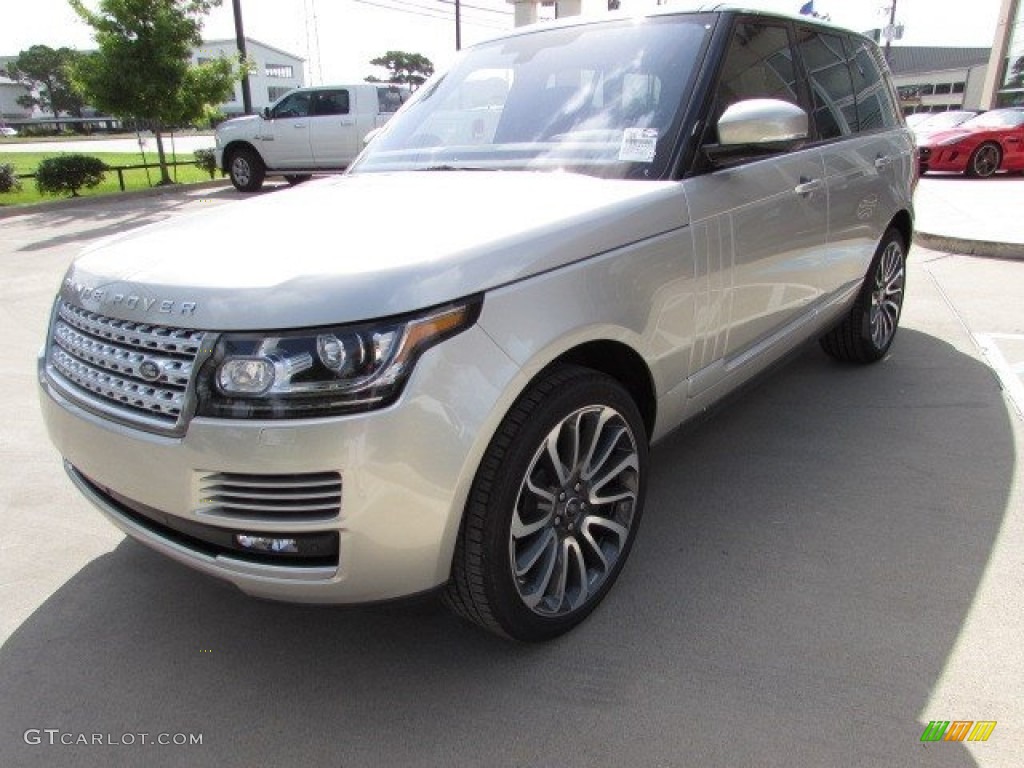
{"x": 322, "y": 371}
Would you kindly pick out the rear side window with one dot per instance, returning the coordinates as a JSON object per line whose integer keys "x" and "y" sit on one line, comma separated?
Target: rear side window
{"x": 874, "y": 105}
{"x": 835, "y": 106}
{"x": 390, "y": 99}
{"x": 330, "y": 103}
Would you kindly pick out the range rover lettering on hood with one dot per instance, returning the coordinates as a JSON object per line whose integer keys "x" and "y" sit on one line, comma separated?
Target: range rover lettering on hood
{"x": 130, "y": 298}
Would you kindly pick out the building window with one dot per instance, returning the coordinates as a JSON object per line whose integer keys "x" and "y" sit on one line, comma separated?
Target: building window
{"x": 279, "y": 70}
{"x": 275, "y": 92}
{"x": 958, "y": 87}
{"x": 942, "y": 88}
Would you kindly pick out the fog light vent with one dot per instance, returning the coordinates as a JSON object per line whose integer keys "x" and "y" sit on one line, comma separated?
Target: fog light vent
{"x": 313, "y": 496}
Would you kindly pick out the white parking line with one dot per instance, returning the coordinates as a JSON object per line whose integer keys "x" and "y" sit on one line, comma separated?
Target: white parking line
{"x": 1008, "y": 373}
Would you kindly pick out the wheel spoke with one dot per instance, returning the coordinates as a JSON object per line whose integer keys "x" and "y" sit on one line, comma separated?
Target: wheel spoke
{"x": 529, "y": 557}
{"x": 521, "y": 530}
{"x": 627, "y": 463}
{"x": 575, "y": 561}
{"x": 532, "y": 599}
{"x": 587, "y": 537}
{"x": 553, "y": 456}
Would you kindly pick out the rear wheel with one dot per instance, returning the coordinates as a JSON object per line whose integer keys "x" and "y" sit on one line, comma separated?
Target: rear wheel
{"x": 246, "y": 170}
{"x": 866, "y": 334}
{"x": 554, "y": 507}
{"x": 984, "y": 161}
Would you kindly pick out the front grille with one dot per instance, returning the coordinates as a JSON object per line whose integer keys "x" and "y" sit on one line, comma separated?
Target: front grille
{"x": 139, "y": 372}
{"x": 312, "y": 496}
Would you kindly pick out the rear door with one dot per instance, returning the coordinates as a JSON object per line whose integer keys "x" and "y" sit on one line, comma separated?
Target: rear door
{"x": 759, "y": 226}
{"x": 334, "y": 135}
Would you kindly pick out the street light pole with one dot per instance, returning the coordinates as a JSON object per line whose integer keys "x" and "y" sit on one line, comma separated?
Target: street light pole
{"x": 240, "y": 41}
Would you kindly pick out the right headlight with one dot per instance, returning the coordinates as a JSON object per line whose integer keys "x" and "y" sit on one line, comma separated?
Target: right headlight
{"x": 322, "y": 371}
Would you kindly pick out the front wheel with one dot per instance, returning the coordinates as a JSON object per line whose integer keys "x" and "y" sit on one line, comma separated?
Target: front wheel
{"x": 984, "y": 161}
{"x": 866, "y": 333}
{"x": 246, "y": 170}
{"x": 554, "y": 507}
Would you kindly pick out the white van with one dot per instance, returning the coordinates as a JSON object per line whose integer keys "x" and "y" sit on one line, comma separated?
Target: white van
{"x": 306, "y": 131}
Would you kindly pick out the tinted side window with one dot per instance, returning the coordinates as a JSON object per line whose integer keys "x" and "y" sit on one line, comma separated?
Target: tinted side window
{"x": 389, "y": 100}
{"x": 835, "y": 111}
{"x": 296, "y": 105}
{"x": 758, "y": 65}
{"x": 874, "y": 107}
{"x": 330, "y": 103}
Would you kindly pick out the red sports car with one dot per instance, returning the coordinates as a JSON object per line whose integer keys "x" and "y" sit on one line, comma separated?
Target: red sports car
{"x": 990, "y": 142}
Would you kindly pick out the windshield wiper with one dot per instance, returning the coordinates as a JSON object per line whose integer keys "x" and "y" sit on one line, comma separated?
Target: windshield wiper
{"x": 455, "y": 168}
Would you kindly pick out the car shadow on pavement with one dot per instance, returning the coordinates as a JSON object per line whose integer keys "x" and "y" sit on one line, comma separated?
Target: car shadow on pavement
{"x": 804, "y": 569}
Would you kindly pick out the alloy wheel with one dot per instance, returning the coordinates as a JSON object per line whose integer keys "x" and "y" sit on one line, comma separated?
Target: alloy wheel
{"x": 574, "y": 511}
{"x": 887, "y": 294}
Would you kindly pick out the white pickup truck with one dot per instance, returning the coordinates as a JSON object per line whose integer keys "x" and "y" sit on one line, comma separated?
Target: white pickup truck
{"x": 306, "y": 131}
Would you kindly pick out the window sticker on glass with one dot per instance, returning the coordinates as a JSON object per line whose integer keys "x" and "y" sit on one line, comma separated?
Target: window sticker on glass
{"x": 638, "y": 145}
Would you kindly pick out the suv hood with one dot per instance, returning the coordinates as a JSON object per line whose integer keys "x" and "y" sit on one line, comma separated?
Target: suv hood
{"x": 359, "y": 247}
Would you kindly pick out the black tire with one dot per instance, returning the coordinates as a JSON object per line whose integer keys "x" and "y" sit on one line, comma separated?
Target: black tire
{"x": 580, "y": 523}
{"x": 294, "y": 178}
{"x": 984, "y": 160}
{"x": 867, "y": 332}
{"x": 246, "y": 170}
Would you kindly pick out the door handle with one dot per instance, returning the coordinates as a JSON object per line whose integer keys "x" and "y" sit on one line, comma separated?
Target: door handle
{"x": 808, "y": 185}
{"x": 298, "y": 125}
{"x": 882, "y": 162}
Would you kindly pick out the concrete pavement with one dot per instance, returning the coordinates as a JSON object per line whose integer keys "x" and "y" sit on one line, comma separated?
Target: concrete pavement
{"x": 979, "y": 217}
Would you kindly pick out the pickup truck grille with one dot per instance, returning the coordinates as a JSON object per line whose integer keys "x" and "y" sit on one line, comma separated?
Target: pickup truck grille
{"x": 138, "y": 373}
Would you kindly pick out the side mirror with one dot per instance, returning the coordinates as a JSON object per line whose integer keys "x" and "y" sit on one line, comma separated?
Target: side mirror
{"x": 265, "y": 114}
{"x": 756, "y": 127}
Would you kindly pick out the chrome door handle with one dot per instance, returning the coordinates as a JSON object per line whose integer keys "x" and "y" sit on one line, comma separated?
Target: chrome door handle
{"x": 299, "y": 125}
{"x": 883, "y": 161}
{"x": 808, "y": 185}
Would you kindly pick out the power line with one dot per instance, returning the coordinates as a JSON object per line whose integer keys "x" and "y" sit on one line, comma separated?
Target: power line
{"x": 428, "y": 12}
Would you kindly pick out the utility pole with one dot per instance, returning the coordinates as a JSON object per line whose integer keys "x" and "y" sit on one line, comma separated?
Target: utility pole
{"x": 458, "y": 26}
{"x": 890, "y": 30}
{"x": 240, "y": 41}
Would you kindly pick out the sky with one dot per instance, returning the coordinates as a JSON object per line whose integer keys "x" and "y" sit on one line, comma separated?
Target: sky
{"x": 339, "y": 37}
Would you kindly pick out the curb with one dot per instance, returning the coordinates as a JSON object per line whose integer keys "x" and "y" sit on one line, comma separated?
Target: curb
{"x": 8, "y": 212}
{"x": 967, "y": 247}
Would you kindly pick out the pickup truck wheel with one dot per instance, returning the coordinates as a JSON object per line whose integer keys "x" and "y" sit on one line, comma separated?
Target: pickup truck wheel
{"x": 554, "y": 507}
{"x": 246, "y": 170}
{"x": 294, "y": 179}
{"x": 866, "y": 334}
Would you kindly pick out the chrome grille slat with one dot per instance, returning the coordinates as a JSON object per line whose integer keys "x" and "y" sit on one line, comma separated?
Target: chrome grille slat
{"x": 98, "y": 359}
{"x": 271, "y": 497}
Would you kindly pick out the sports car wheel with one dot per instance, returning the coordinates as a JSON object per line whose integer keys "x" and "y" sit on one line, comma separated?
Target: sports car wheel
{"x": 984, "y": 161}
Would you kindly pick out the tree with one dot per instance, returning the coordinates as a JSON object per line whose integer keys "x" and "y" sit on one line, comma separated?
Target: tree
{"x": 141, "y": 69}
{"x": 410, "y": 69}
{"x": 47, "y": 73}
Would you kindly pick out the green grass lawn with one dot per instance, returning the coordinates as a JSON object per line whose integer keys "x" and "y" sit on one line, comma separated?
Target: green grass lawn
{"x": 136, "y": 179}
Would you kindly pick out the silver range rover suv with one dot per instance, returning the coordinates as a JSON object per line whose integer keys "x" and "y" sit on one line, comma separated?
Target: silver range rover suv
{"x": 443, "y": 370}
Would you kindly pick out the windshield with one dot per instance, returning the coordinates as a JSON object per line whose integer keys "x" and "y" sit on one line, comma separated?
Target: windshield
{"x": 997, "y": 118}
{"x": 602, "y": 99}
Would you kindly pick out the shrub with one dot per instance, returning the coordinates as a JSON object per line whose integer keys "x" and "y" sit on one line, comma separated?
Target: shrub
{"x": 206, "y": 161}
{"x": 69, "y": 173}
{"x": 9, "y": 181}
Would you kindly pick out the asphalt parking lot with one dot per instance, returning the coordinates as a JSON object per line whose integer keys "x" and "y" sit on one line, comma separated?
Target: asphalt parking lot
{"x": 825, "y": 566}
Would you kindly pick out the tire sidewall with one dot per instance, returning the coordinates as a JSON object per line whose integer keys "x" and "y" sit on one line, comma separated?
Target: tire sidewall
{"x": 586, "y": 389}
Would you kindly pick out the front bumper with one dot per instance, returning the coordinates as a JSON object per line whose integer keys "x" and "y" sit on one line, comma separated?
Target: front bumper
{"x": 405, "y": 473}
{"x": 952, "y": 158}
